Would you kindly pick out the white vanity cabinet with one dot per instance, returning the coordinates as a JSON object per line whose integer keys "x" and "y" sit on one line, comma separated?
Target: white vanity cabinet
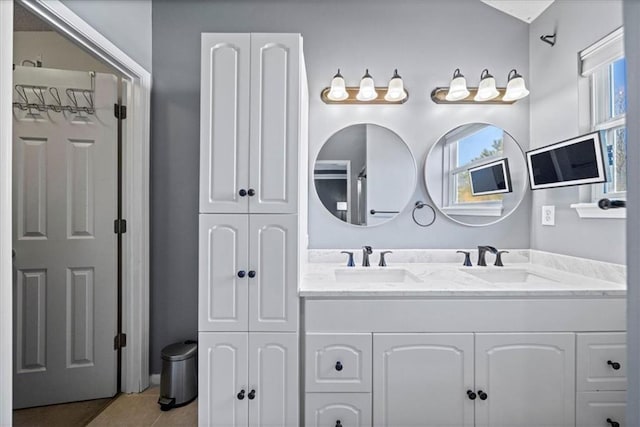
{"x": 252, "y": 124}
{"x": 248, "y": 273}
{"x": 251, "y": 379}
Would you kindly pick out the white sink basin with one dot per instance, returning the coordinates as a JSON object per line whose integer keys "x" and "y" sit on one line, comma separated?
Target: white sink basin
{"x": 509, "y": 276}
{"x": 374, "y": 275}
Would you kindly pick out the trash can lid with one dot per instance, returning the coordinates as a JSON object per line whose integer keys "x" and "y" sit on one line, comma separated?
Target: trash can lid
{"x": 180, "y": 351}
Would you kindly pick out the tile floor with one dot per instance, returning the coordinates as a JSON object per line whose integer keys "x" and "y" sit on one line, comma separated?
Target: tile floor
{"x": 76, "y": 414}
{"x": 143, "y": 410}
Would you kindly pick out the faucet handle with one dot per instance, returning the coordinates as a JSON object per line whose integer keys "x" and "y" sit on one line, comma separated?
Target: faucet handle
{"x": 467, "y": 259}
{"x": 498, "y": 262}
{"x": 382, "y": 262}
{"x": 368, "y": 249}
{"x": 350, "y": 262}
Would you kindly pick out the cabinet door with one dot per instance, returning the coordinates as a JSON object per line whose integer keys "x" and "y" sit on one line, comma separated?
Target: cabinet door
{"x": 223, "y": 376}
{"x": 273, "y": 298}
{"x": 224, "y": 122}
{"x": 223, "y": 254}
{"x": 273, "y": 374}
{"x": 529, "y": 379}
{"x": 422, "y": 379}
{"x": 338, "y": 410}
{"x": 275, "y": 105}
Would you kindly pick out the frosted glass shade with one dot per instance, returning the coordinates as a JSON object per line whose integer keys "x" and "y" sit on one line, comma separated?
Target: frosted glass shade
{"x": 516, "y": 88}
{"x": 395, "y": 91}
{"x": 367, "y": 90}
{"x": 457, "y": 88}
{"x": 338, "y": 91}
{"x": 487, "y": 87}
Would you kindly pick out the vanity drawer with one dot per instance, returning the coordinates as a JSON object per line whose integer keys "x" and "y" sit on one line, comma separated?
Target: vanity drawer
{"x": 338, "y": 362}
{"x": 594, "y": 408}
{"x": 602, "y": 361}
{"x": 338, "y": 409}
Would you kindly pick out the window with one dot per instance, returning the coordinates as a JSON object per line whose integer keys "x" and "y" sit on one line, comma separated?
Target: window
{"x": 474, "y": 146}
{"x": 604, "y": 64}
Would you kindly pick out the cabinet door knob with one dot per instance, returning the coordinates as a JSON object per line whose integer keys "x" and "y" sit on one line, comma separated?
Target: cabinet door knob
{"x": 241, "y": 273}
{"x": 241, "y": 395}
{"x": 471, "y": 395}
{"x": 338, "y": 366}
{"x": 482, "y": 395}
{"x": 613, "y": 423}
{"x": 242, "y": 192}
{"x": 252, "y": 395}
{"x": 614, "y": 365}
{"x": 251, "y": 192}
{"x": 338, "y": 423}
{"x": 252, "y": 274}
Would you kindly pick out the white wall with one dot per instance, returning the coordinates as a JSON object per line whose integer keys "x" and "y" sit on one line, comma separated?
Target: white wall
{"x": 54, "y": 51}
{"x": 558, "y": 113}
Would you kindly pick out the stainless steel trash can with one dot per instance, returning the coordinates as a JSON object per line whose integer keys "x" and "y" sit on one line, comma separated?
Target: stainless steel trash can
{"x": 179, "y": 377}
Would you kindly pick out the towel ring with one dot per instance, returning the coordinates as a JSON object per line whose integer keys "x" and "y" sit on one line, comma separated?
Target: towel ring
{"x": 419, "y": 205}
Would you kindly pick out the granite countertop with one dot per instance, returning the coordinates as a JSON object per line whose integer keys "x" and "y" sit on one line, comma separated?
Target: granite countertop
{"x": 526, "y": 274}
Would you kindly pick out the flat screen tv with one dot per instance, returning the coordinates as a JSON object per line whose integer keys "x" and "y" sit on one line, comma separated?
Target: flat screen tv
{"x": 575, "y": 161}
{"x": 490, "y": 178}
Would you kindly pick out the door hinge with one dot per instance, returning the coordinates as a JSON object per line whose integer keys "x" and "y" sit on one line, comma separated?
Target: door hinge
{"x": 120, "y": 111}
{"x": 119, "y": 341}
{"x": 120, "y": 226}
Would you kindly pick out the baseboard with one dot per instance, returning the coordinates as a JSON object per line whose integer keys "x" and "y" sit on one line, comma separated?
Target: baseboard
{"x": 154, "y": 380}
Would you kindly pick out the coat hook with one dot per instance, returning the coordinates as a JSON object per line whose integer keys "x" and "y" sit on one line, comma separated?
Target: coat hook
{"x": 549, "y": 38}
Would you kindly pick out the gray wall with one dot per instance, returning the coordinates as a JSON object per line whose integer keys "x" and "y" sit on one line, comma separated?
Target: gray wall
{"x": 632, "y": 47}
{"x": 556, "y": 115}
{"x": 126, "y": 23}
{"x": 415, "y": 36}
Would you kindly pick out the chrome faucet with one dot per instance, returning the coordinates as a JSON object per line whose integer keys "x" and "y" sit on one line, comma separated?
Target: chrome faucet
{"x": 482, "y": 251}
{"x": 366, "y": 251}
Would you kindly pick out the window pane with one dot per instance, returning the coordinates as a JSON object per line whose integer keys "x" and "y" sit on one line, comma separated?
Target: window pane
{"x": 616, "y": 160}
{"x": 618, "y": 88}
{"x": 484, "y": 143}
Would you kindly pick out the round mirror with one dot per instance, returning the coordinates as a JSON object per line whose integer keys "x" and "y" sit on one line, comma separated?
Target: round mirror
{"x": 364, "y": 174}
{"x": 476, "y": 174}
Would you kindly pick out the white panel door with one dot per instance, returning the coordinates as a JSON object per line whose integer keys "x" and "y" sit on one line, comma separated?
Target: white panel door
{"x": 422, "y": 380}
{"x": 224, "y": 123}
{"x": 275, "y": 105}
{"x": 273, "y": 287}
{"x": 528, "y": 379}
{"x": 223, "y": 383}
{"x": 64, "y": 205}
{"x": 223, "y": 273}
{"x": 273, "y": 379}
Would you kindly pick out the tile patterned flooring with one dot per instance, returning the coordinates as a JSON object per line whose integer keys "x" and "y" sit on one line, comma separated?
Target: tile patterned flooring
{"x": 126, "y": 410}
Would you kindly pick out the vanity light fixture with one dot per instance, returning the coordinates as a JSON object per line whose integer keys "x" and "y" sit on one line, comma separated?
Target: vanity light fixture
{"x": 366, "y": 93}
{"x": 367, "y": 90}
{"x": 487, "y": 89}
{"x": 338, "y": 91}
{"x": 458, "y": 87}
{"x": 395, "y": 91}
{"x": 516, "y": 88}
{"x": 485, "y": 93}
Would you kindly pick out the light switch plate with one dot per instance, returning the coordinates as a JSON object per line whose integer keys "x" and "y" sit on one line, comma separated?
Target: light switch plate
{"x": 548, "y": 215}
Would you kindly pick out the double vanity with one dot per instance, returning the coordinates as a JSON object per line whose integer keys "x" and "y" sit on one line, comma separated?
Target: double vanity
{"x": 427, "y": 341}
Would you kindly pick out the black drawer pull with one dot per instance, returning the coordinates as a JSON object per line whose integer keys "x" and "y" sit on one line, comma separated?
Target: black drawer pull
{"x": 252, "y": 274}
{"x": 338, "y": 423}
{"x": 338, "y": 366}
{"x": 251, "y": 192}
{"x": 241, "y": 273}
{"x": 482, "y": 395}
{"x": 471, "y": 395}
{"x": 252, "y": 395}
{"x": 241, "y": 395}
{"x": 614, "y": 365}
{"x": 242, "y": 192}
{"x": 613, "y": 423}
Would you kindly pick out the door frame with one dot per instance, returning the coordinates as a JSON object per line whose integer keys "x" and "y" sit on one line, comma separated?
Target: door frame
{"x": 135, "y": 170}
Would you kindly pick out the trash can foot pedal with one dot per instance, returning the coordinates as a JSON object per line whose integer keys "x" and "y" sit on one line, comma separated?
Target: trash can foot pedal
{"x": 166, "y": 403}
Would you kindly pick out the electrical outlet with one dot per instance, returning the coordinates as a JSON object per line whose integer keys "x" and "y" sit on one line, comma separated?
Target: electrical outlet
{"x": 548, "y": 215}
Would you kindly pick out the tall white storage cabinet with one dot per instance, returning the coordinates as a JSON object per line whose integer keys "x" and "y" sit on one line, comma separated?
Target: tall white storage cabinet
{"x": 252, "y": 227}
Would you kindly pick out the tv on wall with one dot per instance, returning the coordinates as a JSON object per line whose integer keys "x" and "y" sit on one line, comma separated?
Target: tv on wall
{"x": 490, "y": 178}
{"x": 575, "y": 161}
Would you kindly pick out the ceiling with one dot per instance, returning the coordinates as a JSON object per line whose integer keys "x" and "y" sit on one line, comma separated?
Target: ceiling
{"x": 525, "y": 10}
{"x": 24, "y": 20}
